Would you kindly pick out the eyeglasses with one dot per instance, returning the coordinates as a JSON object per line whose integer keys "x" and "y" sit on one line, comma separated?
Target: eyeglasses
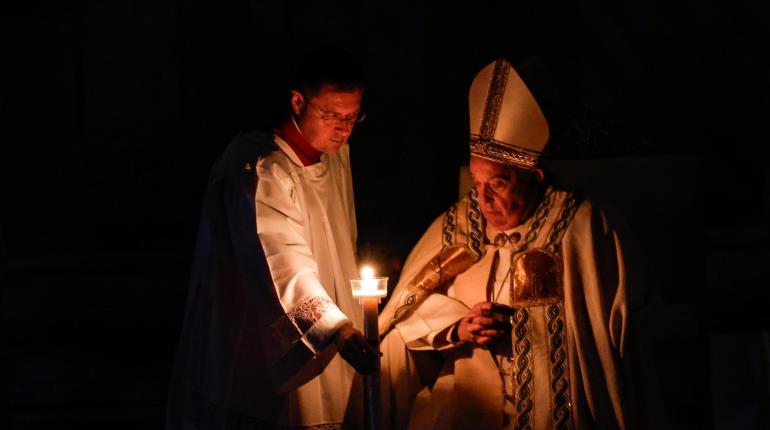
{"x": 328, "y": 117}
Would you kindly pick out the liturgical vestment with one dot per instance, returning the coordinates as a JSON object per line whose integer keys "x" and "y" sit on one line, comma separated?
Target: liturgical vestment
{"x": 269, "y": 290}
{"x": 566, "y": 275}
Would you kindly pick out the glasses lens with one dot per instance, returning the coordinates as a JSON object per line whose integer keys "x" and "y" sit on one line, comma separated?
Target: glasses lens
{"x": 334, "y": 116}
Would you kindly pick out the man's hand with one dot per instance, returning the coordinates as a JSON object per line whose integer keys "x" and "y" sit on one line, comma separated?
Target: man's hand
{"x": 485, "y": 323}
{"x": 354, "y": 348}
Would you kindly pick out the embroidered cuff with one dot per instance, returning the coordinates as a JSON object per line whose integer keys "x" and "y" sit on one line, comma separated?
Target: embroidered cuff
{"x": 317, "y": 319}
{"x": 319, "y": 336}
{"x": 308, "y": 312}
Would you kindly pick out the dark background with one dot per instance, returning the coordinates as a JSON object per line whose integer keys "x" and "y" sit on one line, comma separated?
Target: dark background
{"x": 113, "y": 112}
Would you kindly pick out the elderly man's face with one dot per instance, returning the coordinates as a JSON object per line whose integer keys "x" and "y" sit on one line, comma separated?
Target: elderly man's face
{"x": 506, "y": 194}
{"x": 327, "y": 119}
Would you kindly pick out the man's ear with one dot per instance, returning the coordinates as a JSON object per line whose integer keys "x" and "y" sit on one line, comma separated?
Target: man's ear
{"x": 297, "y": 102}
{"x": 539, "y": 175}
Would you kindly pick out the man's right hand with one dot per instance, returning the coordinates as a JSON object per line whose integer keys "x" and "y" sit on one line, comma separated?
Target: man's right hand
{"x": 482, "y": 325}
{"x": 354, "y": 348}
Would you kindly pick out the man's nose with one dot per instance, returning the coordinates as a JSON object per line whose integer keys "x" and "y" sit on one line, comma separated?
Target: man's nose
{"x": 345, "y": 127}
{"x": 483, "y": 194}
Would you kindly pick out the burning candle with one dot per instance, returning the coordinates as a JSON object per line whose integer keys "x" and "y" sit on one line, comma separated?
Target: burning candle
{"x": 369, "y": 285}
{"x": 369, "y": 290}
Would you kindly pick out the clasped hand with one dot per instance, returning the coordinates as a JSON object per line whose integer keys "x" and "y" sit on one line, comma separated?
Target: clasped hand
{"x": 486, "y": 325}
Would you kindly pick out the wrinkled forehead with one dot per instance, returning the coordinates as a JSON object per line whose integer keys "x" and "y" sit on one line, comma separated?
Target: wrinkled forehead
{"x": 480, "y": 166}
{"x": 482, "y": 169}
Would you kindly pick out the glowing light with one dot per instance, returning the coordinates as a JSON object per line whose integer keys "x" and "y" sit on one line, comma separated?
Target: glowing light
{"x": 367, "y": 272}
{"x": 369, "y": 285}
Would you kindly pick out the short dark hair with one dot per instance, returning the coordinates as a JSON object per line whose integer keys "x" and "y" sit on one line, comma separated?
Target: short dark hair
{"x": 328, "y": 66}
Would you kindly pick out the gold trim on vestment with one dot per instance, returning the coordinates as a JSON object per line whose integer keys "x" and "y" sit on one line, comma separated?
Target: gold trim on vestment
{"x": 562, "y": 407}
{"x": 494, "y": 99}
{"x": 536, "y": 279}
{"x": 434, "y": 277}
{"x": 521, "y": 380}
{"x": 501, "y": 152}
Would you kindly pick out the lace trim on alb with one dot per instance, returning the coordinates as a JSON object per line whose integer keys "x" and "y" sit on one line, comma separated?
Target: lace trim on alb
{"x": 307, "y": 313}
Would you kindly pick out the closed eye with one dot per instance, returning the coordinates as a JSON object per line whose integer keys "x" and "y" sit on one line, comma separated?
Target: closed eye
{"x": 498, "y": 185}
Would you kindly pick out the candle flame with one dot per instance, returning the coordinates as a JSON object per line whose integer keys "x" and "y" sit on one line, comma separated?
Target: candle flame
{"x": 367, "y": 272}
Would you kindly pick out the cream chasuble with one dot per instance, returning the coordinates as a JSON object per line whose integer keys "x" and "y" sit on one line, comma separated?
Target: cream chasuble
{"x": 565, "y": 365}
{"x": 306, "y": 224}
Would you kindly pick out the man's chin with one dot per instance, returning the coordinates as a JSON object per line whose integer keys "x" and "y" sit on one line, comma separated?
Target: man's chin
{"x": 500, "y": 221}
{"x": 496, "y": 220}
{"x": 333, "y": 146}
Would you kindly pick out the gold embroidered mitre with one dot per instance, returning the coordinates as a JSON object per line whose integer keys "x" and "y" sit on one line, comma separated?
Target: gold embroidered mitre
{"x": 506, "y": 123}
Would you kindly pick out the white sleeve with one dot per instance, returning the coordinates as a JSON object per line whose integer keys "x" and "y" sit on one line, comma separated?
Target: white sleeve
{"x": 281, "y": 231}
{"x": 426, "y": 327}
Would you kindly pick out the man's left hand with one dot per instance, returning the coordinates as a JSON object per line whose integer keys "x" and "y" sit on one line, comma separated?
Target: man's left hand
{"x": 354, "y": 348}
